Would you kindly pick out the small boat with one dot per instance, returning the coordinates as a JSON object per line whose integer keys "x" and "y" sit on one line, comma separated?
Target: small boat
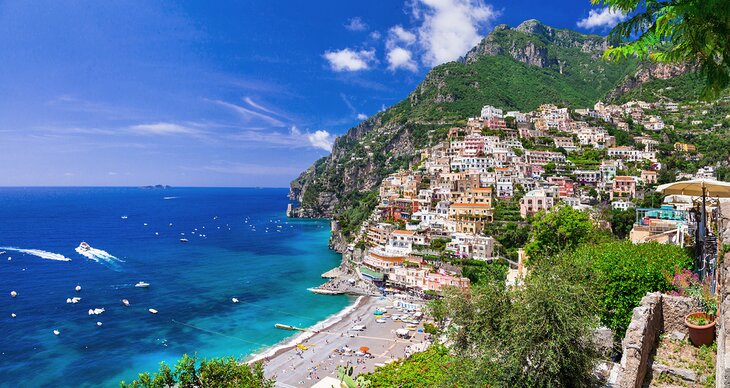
{"x": 301, "y": 346}
{"x": 183, "y": 240}
{"x": 75, "y": 300}
{"x": 124, "y": 217}
{"x": 145, "y": 224}
{"x": 56, "y": 332}
{"x": 68, "y": 300}
{"x": 98, "y": 323}
{"x": 234, "y": 300}
{"x": 12, "y": 315}
{"x": 142, "y": 285}
{"x": 84, "y": 246}
{"x": 13, "y": 294}
{"x": 78, "y": 288}
{"x": 96, "y": 311}
{"x": 153, "y": 311}
{"x": 125, "y": 302}
{"x": 2, "y": 252}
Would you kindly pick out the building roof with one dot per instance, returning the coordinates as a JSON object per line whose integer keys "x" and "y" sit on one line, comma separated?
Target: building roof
{"x": 407, "y": 232}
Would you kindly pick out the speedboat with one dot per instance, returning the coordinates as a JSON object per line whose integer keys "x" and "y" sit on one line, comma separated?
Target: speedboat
{"x": 84, "y": 246}
{"x": 125, "y": 302}
{"x": 13, "y": 294}
{"x": 234, "y": 300}
{"x": 183, "y": 240}
{"x": 56, "y": 332}
{"x": 98, "y": 323}
{"x": 78, "y": 288}
{"x": 142, "y": 285}
{"x": 153, "y": 311}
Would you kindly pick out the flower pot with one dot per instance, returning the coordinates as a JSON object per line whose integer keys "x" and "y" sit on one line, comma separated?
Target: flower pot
{"x": 701, "y": 335}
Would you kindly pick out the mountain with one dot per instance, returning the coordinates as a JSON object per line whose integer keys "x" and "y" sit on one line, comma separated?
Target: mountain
{"x": 511, "y": 68}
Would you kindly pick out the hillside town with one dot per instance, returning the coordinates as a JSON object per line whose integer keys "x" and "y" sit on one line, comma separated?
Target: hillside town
{"x": 531, "y": 161}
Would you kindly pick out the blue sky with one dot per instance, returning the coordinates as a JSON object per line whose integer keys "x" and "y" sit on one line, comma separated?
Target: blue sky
{"x": 202, "y": 93}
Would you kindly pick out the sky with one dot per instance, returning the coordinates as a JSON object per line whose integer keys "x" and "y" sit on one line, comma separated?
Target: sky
{"x": 221, "y": 93}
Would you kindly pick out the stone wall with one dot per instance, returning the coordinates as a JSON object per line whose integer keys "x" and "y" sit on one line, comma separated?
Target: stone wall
{"x": 722, "y": 370}
{"x": 656, "y": 314}
{"x": 640, "y": 340}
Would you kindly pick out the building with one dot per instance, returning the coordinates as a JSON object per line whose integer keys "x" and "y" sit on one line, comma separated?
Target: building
{"x": 649, "y": 177}
{"x": 684, "y": 147}
{"x": 623, "y": 187}
{"x": 379, "y": 234}
{"x": 622, "y": 205}
{"x": 436, "y": 281}
{"x": 489, "y": 112}
{"x": 535, "y": 201}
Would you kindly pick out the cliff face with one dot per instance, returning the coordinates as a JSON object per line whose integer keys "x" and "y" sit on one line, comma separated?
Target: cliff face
{"x": 646, "y": 73}
{"x": 529, "y": 43}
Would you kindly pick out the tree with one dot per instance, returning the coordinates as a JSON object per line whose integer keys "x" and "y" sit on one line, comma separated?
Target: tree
{"x": 676, "y": 31}
{"x": 216, "y": 372}
{"x": 556, "y": 230}
{"x": 622, "y": 221}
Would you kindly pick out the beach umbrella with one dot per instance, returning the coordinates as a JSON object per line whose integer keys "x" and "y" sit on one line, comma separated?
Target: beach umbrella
{"x": 364, "y": 349}
{"x": 697, "y": 187}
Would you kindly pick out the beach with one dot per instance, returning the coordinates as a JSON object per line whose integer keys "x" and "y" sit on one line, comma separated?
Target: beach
{"x": 294, "y": 367}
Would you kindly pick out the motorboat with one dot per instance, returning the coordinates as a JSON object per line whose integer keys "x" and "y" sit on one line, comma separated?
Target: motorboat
{"x": 12, "y": 315}
{"x": 142, "y": 285}
{"x": 13, "y": 294}
{"x": 153, "y": 311}
{"x": 78, "y": 288}
{"x": 183, "y": 240}
{"x": 124, "y": 217}
{"x": 98, "y": 323}
{"x": 125, "y": 302}
{"x": 234, "y": 300}
{"x": 56, "y": 332}
{"x": 2, "y": 252}
{"x": 84, "y": 246}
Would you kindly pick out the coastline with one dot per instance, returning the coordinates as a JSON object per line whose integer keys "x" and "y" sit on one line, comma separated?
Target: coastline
{"x": 290, "y": 343}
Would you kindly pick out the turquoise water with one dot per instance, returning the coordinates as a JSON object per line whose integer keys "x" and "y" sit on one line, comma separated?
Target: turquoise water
{"x": 249, "y": 251}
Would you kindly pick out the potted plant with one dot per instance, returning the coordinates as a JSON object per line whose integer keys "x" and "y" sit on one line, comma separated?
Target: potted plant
{"x": 701, "y": 324}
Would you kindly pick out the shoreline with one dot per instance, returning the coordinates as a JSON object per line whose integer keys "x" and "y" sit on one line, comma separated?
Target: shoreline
{"x": 290, "y": 343}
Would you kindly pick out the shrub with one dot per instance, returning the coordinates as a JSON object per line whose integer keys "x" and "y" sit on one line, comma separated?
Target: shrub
{"x": 621, "y": 273}
{"x": 216, "y": 372}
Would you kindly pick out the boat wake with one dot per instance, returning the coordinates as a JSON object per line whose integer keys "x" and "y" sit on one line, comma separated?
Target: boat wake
{"x": 39, "y": 253}
{"x": 98, "y": 255}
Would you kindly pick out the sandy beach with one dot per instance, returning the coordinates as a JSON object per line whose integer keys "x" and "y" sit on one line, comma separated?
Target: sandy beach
{"x": 293, "y": 367}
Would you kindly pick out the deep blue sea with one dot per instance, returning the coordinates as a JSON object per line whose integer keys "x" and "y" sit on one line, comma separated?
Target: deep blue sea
{"x": 240, "y": 245}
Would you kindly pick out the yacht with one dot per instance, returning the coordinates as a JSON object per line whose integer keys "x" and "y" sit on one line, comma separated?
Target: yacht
{"x": 84, "y": 246}
{"x": 142, "y": 285}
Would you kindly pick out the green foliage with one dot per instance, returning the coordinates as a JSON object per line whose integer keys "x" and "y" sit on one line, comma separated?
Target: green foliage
{"x": 510, "y": 235}
{"x": 430, "y": 329}
{"x": 536, "y": 335}
{"x": 423, "y": 369}
{"x": 352, "y": 217}
{"x": 622, "y": 221}
{"x": 675, "y": 32}
{"x": 560, "y": 229}
{"x": 439, "y": 244}
{"x": 621, "y": 273}
{"x": 216, "y": 372}
{"x": 482, "y": 272}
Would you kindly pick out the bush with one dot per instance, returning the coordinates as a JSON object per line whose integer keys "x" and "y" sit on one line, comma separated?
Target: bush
{"x": 560, "y": 229}
{"x": 424, "y": 369}
{"x": 621, "y": 273}
{"x": 216, "y": 372}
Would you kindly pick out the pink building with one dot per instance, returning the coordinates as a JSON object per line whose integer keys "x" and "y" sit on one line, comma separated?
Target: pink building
{"x": 436, "y": 281}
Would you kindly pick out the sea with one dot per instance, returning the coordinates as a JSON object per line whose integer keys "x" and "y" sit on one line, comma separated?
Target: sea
{"x": 240, "y": 245}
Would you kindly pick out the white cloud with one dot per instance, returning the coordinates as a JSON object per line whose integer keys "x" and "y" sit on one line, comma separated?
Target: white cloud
{"x": 164, "y": 129}
{"x": 251, "y": 115}
{"x": 450, "y": 28}
{"x": 356, "y": 24}
{"x": 375, "y": 35}
{"x": 350, "y": 60}
{"x": 398, "y": 34}
{"x": 318, "y": 139}
{"x": 605, "y": 18}
{"x": 321, "y": 139}
{"x": 362, "y": 116}
{"x": 400, "y": 58}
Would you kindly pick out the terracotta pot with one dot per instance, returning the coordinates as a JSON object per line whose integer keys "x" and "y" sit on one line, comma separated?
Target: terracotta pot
{"x": 701, "y": 335}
